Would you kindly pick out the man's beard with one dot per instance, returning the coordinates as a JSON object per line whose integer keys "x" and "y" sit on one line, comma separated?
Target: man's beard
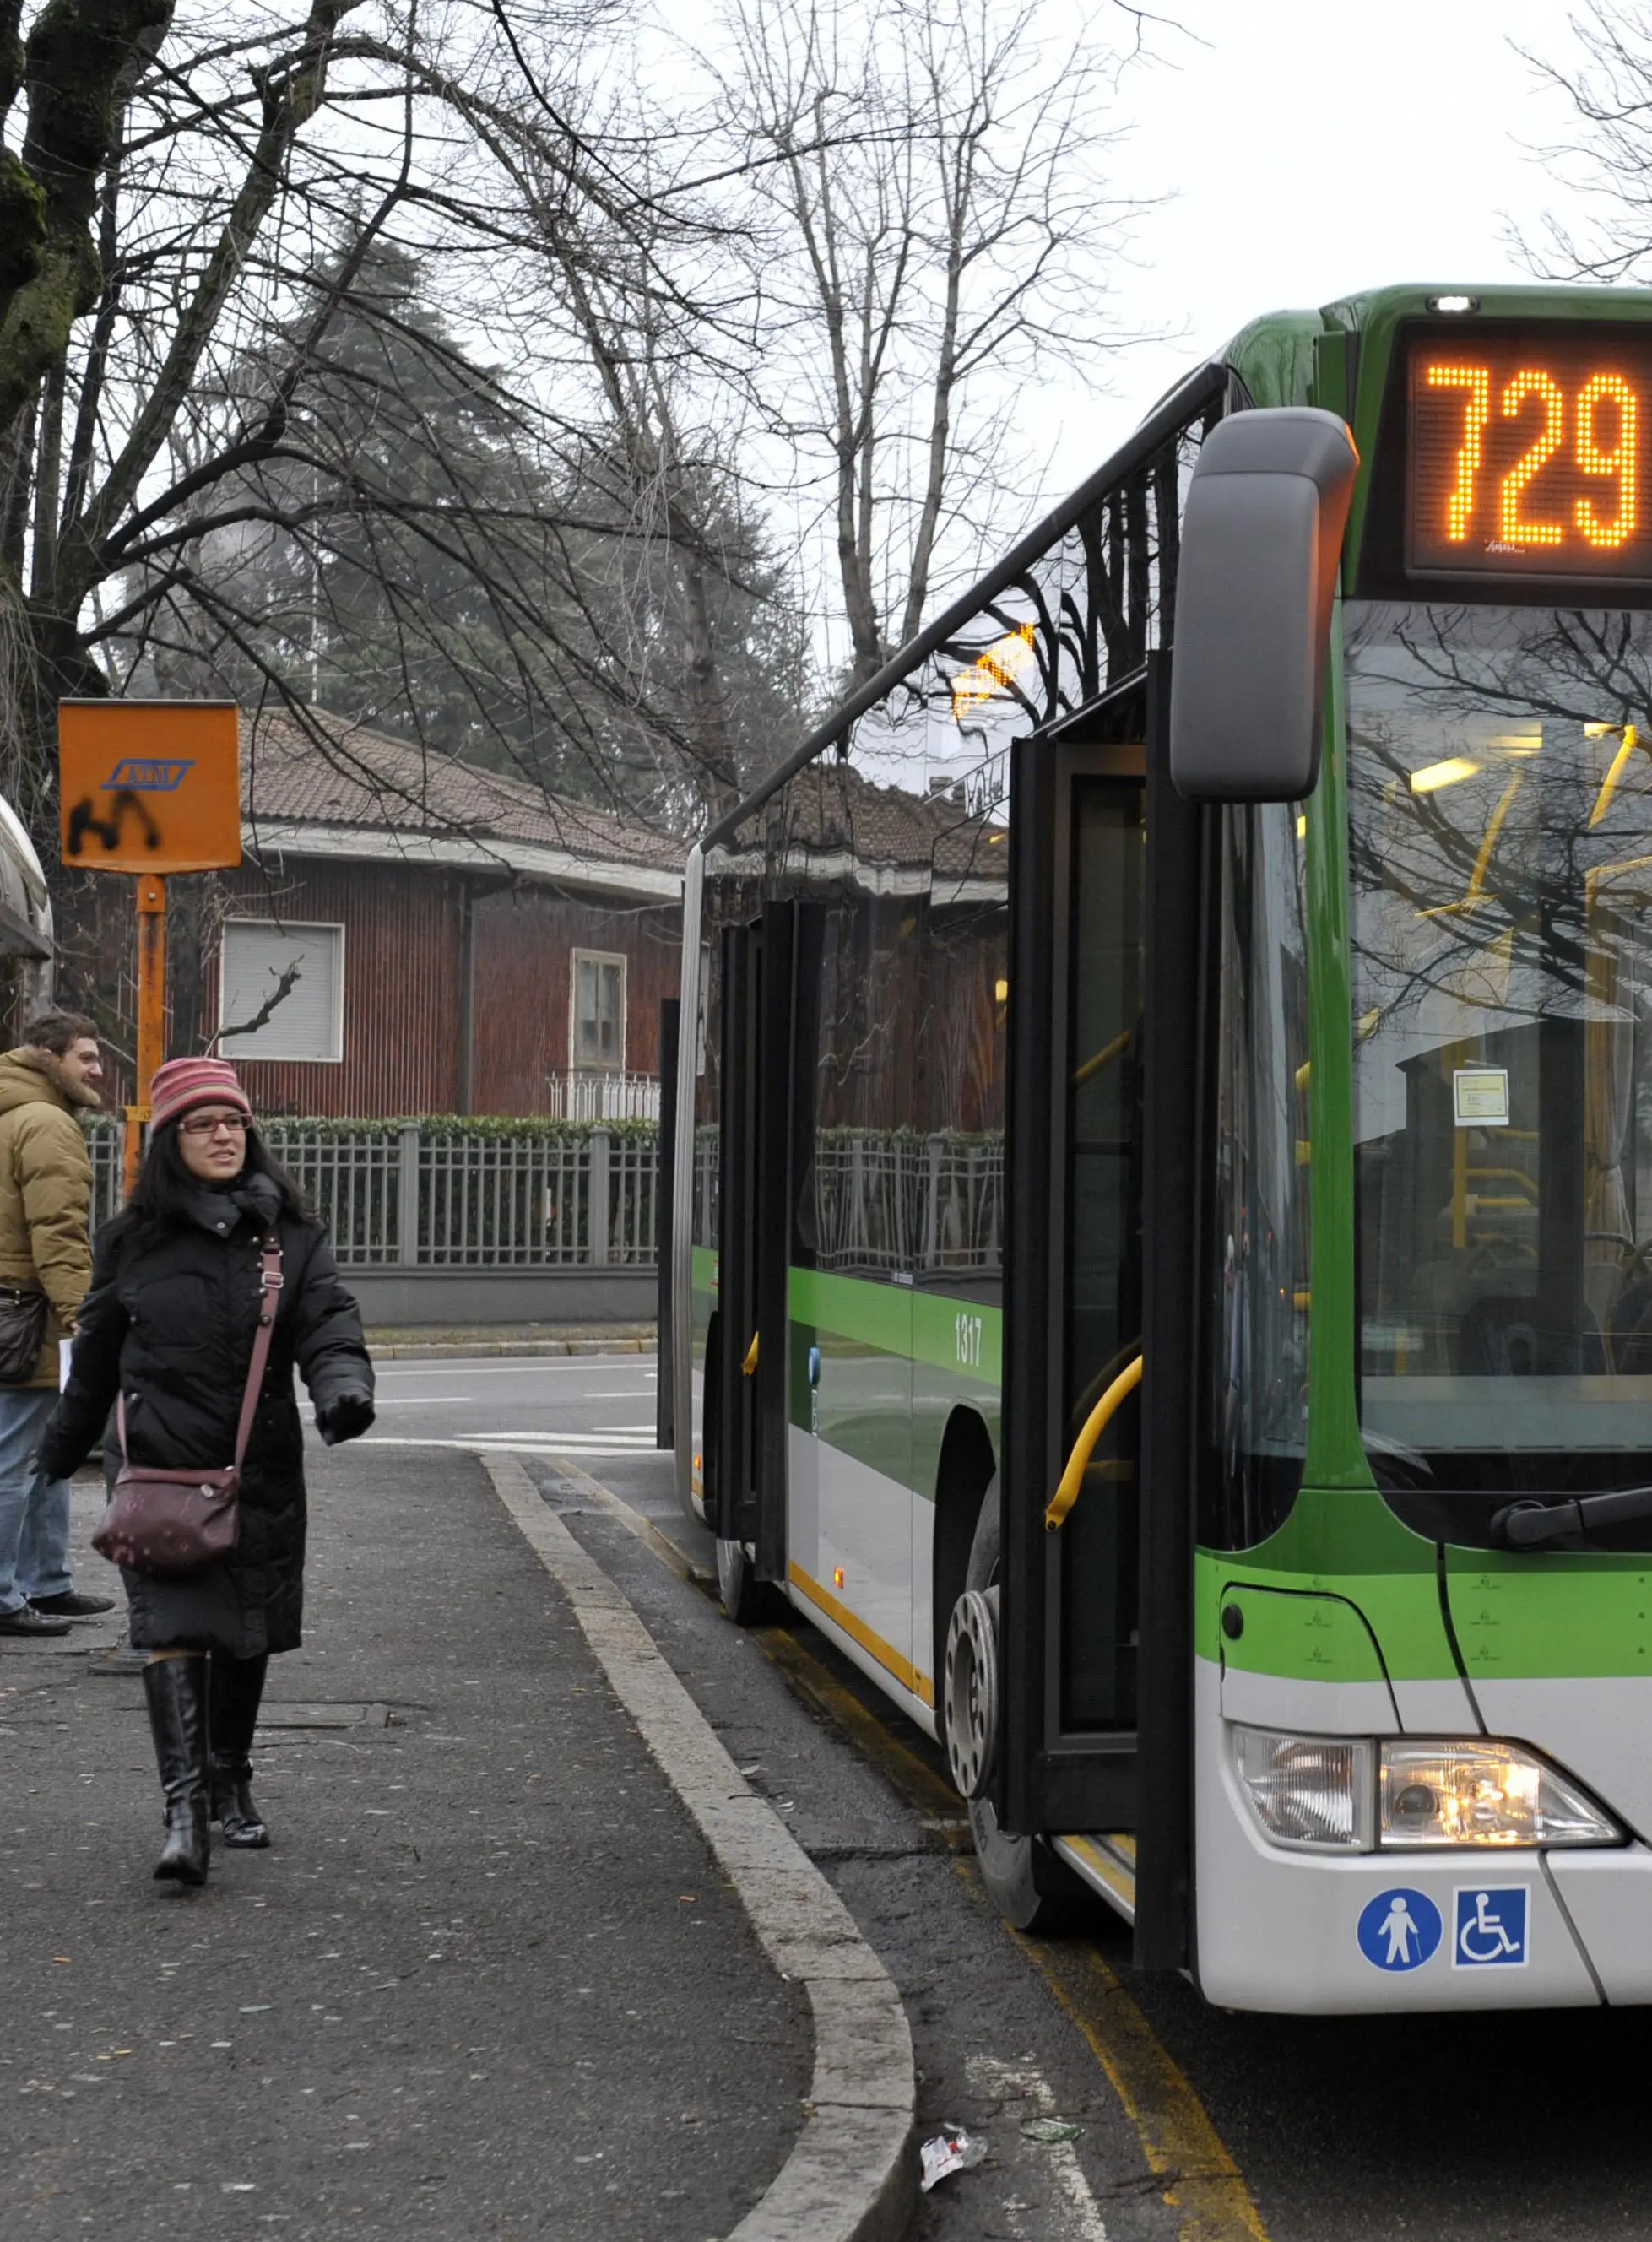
{"x": 77, "y": 1093}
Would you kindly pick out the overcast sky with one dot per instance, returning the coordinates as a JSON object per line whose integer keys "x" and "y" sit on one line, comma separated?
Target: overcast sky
{"x": 1314, "y": 147}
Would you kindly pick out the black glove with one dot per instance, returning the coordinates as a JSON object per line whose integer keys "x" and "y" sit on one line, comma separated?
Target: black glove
{"x": 348, "y": 1413}
{"x": 53, "y": 1462}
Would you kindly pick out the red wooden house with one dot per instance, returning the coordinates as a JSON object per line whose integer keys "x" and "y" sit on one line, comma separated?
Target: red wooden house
{"x": 410, "y": 934}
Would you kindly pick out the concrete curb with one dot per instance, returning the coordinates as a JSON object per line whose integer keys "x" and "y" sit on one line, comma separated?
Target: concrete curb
{"x": 851, "y": 2176}
{"x": 425, "y": 1351}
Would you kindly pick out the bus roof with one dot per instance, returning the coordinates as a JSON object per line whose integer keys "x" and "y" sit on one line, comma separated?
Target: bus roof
{"x": 1273, "y": 336}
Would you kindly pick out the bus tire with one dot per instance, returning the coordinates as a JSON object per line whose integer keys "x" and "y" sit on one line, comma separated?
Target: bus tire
{"x": 745, "y": 1600}
{"x": 1031, "y": 1887}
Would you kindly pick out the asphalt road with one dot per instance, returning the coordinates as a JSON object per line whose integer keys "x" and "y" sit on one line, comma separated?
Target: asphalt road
{"x": 594, "y": 1407}
{"x": 1528, "y": 2129}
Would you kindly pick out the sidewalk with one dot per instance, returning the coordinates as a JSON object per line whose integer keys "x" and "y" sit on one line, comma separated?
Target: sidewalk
{"x": 488, "y": 1980}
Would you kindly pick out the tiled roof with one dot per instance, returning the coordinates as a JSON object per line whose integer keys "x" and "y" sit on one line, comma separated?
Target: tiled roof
{"x": 831, "y": 804}
{"x": 383, "y": 786}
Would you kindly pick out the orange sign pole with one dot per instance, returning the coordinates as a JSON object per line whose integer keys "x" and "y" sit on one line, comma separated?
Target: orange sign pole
{"x": 152, "y": 1010}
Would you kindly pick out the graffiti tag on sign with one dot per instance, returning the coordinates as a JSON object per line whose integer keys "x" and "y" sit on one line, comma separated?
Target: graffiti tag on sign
{"x": 150, "y": 786}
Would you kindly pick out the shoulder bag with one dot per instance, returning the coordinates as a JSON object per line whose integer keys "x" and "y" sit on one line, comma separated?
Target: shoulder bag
{"x": 22, "y": 1332}
{"x": 175, "y": 1521}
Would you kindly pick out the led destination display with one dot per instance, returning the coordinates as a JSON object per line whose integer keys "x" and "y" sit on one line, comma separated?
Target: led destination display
{"x": 1529, "y": 457}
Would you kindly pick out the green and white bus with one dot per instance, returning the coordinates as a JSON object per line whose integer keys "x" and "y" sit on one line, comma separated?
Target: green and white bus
{"x": 1162, "y": 1179}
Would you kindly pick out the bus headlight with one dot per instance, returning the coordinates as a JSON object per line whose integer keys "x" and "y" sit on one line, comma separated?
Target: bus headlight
{"x": 1482, "y": 1792}
{"x": 1310, "y": 1792}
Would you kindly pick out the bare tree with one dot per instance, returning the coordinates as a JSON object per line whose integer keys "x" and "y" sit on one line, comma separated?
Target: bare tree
{"x": 931, "y": 226}
{"x": 186, "y": 397}
{"x": 1607, "y": 165}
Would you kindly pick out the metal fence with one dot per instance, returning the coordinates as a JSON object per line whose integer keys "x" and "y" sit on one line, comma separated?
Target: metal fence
{"x": 927, "y": 1206}
{"x": 888, "y": 1202}
{"x": 582, "y": 1094}
{"x": 397, "y": 1198}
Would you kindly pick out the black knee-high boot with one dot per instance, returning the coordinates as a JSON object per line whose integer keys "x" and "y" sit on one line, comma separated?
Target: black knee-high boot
{"x": 176, "y": 1689}
{"x": 238, "y": 1688}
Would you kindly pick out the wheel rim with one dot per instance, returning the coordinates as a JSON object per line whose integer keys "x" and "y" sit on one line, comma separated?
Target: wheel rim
{"x": 971, "y": 1689}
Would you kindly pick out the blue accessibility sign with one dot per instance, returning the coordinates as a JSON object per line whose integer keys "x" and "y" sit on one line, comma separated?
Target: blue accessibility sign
{"x": 1400, "y": 1930}
{"x": 1492, "y": 1927}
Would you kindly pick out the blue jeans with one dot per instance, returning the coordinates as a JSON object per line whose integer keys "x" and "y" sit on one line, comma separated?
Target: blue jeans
{"x": 34, "y": 1511}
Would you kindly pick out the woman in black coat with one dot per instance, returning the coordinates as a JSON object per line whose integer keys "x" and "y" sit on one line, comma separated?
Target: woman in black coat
{"x": 169, "y": 1326}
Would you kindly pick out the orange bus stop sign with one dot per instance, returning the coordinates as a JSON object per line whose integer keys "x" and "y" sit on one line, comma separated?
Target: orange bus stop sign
{"x": 150, "y": 786}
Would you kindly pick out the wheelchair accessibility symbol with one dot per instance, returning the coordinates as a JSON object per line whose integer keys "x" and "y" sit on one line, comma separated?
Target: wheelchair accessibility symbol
{"x": 1400, "y": 1930}
{"x": 1491, "y": 1929}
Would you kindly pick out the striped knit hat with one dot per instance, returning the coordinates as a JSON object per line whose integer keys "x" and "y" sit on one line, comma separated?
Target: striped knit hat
{"x": 185, "y": 1082}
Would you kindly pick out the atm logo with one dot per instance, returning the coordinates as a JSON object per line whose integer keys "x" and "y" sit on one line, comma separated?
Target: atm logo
{"x": 141, "y": 775}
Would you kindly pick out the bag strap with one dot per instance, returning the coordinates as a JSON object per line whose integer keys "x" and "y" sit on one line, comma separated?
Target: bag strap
{"x": 269, "y": 1301}
{"x": 271, "y": 1281}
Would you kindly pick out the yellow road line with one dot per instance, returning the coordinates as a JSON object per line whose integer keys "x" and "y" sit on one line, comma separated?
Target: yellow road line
{"x": 1183, "y": 2148}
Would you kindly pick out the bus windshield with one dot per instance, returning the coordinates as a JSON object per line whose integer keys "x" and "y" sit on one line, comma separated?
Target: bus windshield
{"x": 1501, "y": 855}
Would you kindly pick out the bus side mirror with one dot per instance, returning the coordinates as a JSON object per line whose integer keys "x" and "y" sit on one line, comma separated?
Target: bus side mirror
{"x": 1261, "y": 541}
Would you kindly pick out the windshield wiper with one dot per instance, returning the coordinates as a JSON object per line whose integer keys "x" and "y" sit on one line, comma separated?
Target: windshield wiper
{"x": 1528, "y": 1524}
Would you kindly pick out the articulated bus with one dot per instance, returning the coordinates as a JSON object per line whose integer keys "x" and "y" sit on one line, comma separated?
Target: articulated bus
{"x": 1162, "y": 1238}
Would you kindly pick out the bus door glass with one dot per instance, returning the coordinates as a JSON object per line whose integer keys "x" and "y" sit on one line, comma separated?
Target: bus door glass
{"x": 756, "y": 1129}
{"x": 1102, "y": 1281}
{"x": 1073, "y": 1282}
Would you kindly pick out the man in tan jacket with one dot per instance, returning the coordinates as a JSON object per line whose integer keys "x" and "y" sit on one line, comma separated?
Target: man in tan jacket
{"x": 45, "y": 1245}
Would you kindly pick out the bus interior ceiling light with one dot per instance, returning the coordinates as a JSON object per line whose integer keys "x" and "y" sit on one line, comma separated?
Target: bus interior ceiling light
{"x": 1357, "y": 1794}
{"x": 1458, "y": 304}
{"x": 1452, "y": 772}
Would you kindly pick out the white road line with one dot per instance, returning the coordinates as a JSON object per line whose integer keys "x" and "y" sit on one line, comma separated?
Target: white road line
{"x": 1021, "y": 2094}
{"x": 851, "y": 2172}
{"x": 418, "y": 1400}
{"x": 528, "y": 1365}
{"x": 531, "y": 1444}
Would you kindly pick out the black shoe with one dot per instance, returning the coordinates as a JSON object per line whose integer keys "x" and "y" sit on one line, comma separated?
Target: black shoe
{"x": 245, "y": 1828}
{"x": 26, "y": 1619}
{"x": 176, "y": 1689}
{"x": 238, "y": 1688}
{"x": 71, "y": 1605}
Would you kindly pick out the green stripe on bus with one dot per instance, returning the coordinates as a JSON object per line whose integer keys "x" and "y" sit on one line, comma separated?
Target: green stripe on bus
{"x": 965, "y": 1336}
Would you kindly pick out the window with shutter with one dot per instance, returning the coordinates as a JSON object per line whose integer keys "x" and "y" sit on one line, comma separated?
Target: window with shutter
{"x": 307, "y": 1021}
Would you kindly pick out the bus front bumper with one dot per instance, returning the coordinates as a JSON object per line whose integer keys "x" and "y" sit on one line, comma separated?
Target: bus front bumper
{"x": 1327, "y": 1933}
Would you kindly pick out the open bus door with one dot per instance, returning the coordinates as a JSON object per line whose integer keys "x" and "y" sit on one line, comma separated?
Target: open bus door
{"x": 748, "y": 1481}
{"x": 1108, "y": 880}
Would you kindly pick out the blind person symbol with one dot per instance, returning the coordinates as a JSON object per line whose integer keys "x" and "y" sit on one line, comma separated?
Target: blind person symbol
{"x": 1400, "y": 1930}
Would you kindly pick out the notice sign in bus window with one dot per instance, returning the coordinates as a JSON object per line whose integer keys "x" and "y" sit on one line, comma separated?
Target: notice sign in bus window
{"x": 1530, "y": 458}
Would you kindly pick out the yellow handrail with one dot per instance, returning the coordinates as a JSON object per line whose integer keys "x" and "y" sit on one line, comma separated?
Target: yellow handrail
{"x": 1104, "y": 1056}
{"x": 1085, "y": 1446}
{"x": 749, "y": 1367}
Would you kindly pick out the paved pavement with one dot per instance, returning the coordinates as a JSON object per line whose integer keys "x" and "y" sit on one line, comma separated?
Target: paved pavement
{"x": 492, "y": 2094}
{"x": 1346, "y": 2130}
{"x": 486, "y": 1981}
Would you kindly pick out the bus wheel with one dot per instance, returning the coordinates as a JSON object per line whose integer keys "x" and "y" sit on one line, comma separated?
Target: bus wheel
{"x": 745, "y": 1599}
{"x": 1031, "y": 1887}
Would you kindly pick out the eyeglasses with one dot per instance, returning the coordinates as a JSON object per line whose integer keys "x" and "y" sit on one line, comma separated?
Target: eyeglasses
{"x": 208, "y": 1125}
